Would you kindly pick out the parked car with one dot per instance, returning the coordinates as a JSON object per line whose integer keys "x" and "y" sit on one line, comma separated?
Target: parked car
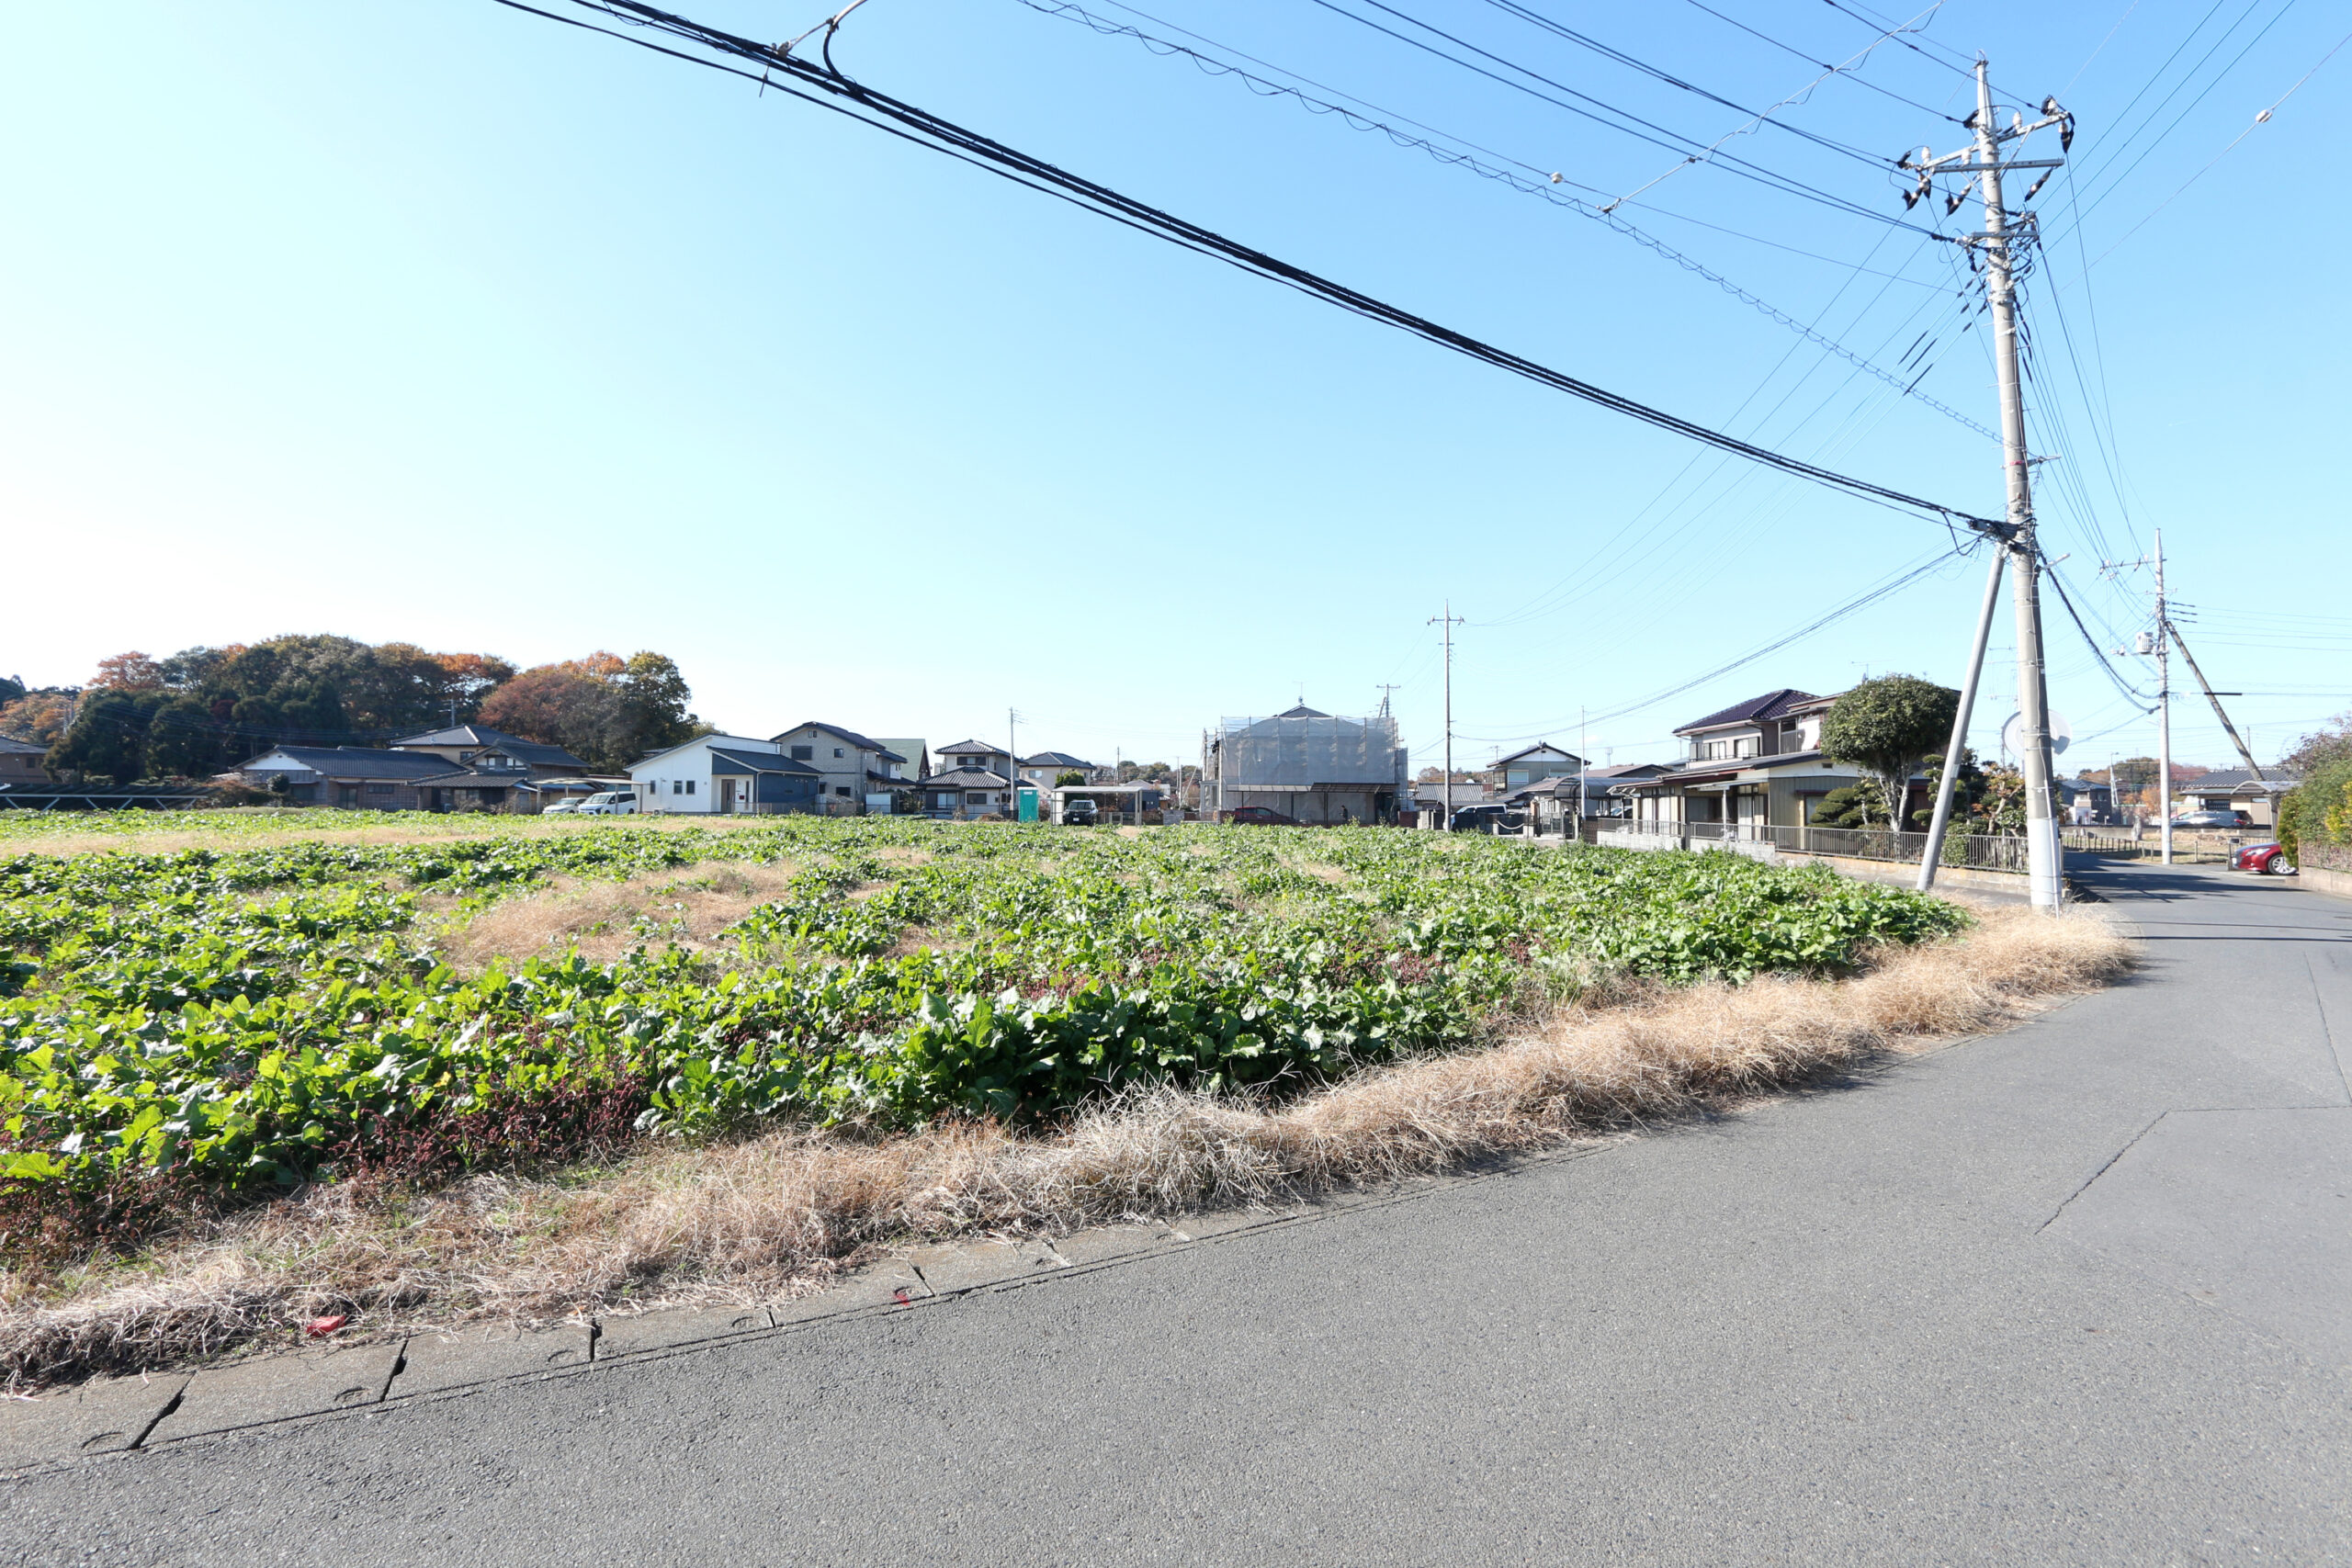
{"x": 1488, "y": 819}
{"x": 1263, "y": 815}
{"x": 2268, "y": 857}
{"x": 561, "y": 808}
{"x": 1080, "y": 813}
{"x": 609, "y": 803}
{"x": 2213, "y": 819}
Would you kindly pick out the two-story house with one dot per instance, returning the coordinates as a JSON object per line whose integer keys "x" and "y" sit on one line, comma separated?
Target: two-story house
{"x": 1754, "y": 765}
{"x": 478, "y": 746}
{"x": 850, "y": 767}
{"x": 726, "y": 775}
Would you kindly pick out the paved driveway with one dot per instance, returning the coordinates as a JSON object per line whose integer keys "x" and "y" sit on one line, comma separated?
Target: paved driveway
{"x": 2076, "y": 1294}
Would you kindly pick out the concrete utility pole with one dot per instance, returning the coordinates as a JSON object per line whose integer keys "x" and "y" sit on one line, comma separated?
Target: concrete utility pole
{"x": 1448, "y": 621}
{"x": 1984, "y": 162}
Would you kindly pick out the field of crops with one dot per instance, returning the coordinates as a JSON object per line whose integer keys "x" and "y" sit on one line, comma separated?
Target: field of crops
{"x": 257, "y": 1014}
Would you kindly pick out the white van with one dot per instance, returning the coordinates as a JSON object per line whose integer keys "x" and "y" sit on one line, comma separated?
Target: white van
{"x": 609, "y": 803}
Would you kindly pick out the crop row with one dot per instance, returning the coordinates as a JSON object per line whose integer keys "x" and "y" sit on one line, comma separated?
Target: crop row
{"x": 259, "y": 1016}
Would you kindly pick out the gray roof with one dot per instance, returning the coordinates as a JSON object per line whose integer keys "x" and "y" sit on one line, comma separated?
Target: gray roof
{"x": 725, "y": 760}
{"x": 359, "y": 762}
{"x": 862, "y": 742}
{"x": 1530, "y": 750}
{"x": 1771, "y": 705}
{"x": 1054, "y": 759}
{"x": 460, "y": 734}
{"x": 964, "y": 778}
{"x": 2232, "y": 779}
{"x": 970, "y": 746}
{"x": 11, "y": 744}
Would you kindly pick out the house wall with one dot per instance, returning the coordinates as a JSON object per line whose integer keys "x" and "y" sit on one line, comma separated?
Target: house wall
{"x": 23, "y": 767}
{"x": 680, "y": 781}
{"x": 843, "y": 766}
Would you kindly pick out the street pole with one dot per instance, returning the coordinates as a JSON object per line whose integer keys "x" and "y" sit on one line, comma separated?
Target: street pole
{"x": 2033, "y": 690}
{"x": 2164, "y": 715}
{"x": 1011, "y": 776}
{"x": 1933, "y": 855}
{"x": 1448, "y": 620}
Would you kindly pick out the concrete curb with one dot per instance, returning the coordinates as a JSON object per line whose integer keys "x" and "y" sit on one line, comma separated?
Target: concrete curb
{"x": 127, "y": 1416}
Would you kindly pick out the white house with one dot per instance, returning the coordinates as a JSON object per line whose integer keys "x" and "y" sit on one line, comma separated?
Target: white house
{"x": 691, "y": 778}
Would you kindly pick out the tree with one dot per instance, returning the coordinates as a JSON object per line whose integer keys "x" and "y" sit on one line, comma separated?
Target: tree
{"x": 1967, "y": 787}
{"x": 2332, "y": 744}
{"x": 1887, "y": 728}
{"x": 2002, "y": 807}
{"x": 1068, "y": 777}
{"x": 1850, "y": 806}
{"x": 129, "y": 673}
{"x": 109, "y": 735}
{"x": 38, "y": 716}
{"x": 467, "y": 678}
{"x": 11, "y": 689}
{"x": 184, "y": 740}
{"x": 607, "y": 710}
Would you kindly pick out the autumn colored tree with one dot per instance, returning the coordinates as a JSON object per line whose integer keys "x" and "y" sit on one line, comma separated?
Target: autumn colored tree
{"x": 39, "y": 717}
{"x": 129, "y": 673}
{"x": 607, "y": 710}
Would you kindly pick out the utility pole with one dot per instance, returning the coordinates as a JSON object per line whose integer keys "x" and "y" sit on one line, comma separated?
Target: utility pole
{"x": 1584, "y": 766}
{"x": 2154, "y": 643}
{"x": 2164, "y": 714}
{"x": 1012, "y": 777}
{"x": 2000, "y": 289}
{"x": 1448, "y": 621}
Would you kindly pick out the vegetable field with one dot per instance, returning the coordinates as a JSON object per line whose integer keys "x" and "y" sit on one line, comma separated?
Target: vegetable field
{"x": 265, "y": 1012}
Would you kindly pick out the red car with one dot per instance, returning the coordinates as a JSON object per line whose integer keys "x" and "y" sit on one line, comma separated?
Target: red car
{"x": 2269, "y": 858}
{"x": 1263, "y": 815}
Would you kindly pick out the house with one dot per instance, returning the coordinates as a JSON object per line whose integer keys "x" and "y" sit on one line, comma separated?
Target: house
{"x": 369, "y": 778}
{"x": 2086, "y": 797}
{"x": 917, "y": 755}
{"x": 1310, "y": 766}
{"x": 852, "y": 768}
{"x": 1608, "y": 791}
{"x": 1756, "y": 764}
{"x": 478, "y": 746}
{"x": 974, "y": 754}
{"x": 762, "y": 782}
{"x": 963, "y": 795}
{"x": 1541, "y": 760}
{"x": 20, "y": 761}
{"x": 692, "y": 778}
{"x": 2235, "y": 789}
{"x": 1046, "y": 767}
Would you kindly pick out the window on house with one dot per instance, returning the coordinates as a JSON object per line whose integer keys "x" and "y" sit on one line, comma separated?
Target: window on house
{"x": 840, "y": 789}
{"x": 690, "y": 786}
{"x": 803, "y": 754}
{"x": 837, "y": 750}
{"x": 976, "y": 797}
{"x": 379, "y": 789}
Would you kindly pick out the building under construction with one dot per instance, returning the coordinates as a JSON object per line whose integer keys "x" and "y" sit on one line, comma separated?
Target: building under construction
{"x": 1309, "y": 766}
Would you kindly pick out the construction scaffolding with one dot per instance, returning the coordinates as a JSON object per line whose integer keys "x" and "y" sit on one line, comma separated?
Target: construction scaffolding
{"x": 1310, "y": 766}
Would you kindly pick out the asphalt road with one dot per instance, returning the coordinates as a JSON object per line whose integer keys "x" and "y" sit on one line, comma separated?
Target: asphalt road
{"x": 2076, "y": 1294}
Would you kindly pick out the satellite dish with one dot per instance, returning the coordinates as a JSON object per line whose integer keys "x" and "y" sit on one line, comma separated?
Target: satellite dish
{"x": 2061, "y": 735}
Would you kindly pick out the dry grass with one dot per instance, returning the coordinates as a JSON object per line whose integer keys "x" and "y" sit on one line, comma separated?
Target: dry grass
{"x": 778, "y": 1214}
{"x": 688, "y": 905}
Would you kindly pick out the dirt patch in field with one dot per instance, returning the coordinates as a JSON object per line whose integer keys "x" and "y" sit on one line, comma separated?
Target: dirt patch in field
{"x": 602, "y": 921}
{"x": 773, "y": 1215}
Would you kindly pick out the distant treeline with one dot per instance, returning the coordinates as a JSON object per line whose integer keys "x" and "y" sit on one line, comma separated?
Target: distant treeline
{"x": 202, "y": 710}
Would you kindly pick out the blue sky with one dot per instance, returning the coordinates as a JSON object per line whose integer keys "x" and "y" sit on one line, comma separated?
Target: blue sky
{"x": 441, "y": 323}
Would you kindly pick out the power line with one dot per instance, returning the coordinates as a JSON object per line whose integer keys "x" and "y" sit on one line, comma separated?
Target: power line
{"x": 1540, "y": 185}
{"x": 1823, "y": 64}
{"x": 1851, "y": 606}
{"x": 923, "y": 129}
{"x": 1770, "y": 178}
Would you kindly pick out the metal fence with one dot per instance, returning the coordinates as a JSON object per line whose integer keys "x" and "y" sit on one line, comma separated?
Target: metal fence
{"x": 1984, "y": 852}
{"x": 2188, "y": 849}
